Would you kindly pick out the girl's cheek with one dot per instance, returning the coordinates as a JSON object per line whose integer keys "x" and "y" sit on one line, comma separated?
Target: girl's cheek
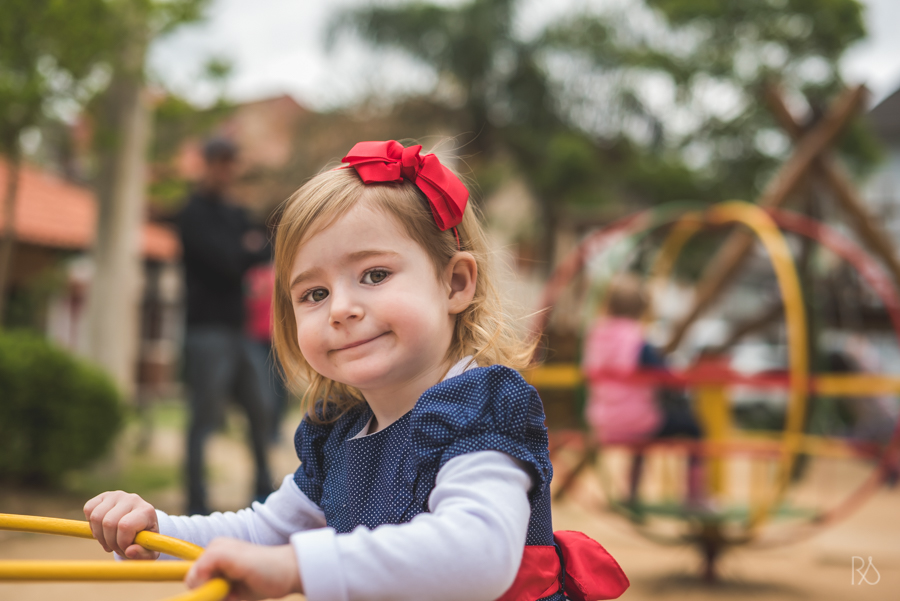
{"x": 299, "y": 325}
{"x": 309, "y": 338}
{"x": 302, "y": 333}
{"x": 303, "y": 337}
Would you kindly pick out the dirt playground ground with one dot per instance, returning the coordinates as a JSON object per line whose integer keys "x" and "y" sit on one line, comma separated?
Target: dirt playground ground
{"x": 818, "y": 569}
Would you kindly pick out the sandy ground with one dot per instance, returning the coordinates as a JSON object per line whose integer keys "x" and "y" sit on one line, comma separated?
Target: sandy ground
{"x": 818, "y": 569}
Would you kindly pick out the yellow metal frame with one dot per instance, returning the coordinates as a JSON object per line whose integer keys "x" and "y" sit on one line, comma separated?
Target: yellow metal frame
{"x": 214, "y": 590}
{"x": 682, "y": 232}
{"x": 568, "y": 375}
{"x": 715, "y": 417}
{"x": 767, "y": 232}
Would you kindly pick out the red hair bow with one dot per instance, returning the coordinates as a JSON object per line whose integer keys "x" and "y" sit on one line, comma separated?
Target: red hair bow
{"x": 378, "y": 162}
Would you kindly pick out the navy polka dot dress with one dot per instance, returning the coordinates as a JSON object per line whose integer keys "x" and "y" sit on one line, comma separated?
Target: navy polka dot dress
{"x": 386, "y": 477}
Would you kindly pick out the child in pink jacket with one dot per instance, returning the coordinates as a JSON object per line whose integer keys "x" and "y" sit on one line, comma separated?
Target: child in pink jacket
{"x": 621, "y": 410}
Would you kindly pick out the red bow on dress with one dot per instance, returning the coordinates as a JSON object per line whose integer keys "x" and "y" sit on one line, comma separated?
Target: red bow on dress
{"x": 585, "y": 571}
{"x": 389, "y": 161}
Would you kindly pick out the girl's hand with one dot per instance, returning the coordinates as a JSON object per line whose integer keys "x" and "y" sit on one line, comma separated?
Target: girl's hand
{"x": 255, "y": 571}
{"x": 116, "y": 518}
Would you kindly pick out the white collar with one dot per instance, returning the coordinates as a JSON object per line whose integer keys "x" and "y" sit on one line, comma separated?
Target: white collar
{"x": 463, "y": 365}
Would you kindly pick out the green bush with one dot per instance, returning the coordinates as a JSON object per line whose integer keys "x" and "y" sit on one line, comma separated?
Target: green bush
{"x": 57, "y": 413}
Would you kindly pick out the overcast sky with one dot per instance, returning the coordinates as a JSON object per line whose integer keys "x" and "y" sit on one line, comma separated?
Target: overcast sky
{"x": 278, "y": 46}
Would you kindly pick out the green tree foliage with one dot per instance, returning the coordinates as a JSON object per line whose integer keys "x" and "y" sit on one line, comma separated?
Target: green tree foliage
{"x": 51, "y": 55}
{"x": 571, "y": 104}
{"x": 218, "y": 70}
{"x": 49, "y": 51}
{"x": 719, "y": 57}
{"x": 58, "y": 413}
{"x": 55, "y": 56}
{"x": 517, "y": 108}
{"x": 732, "y": 49}
{"x": 133, "y": 25}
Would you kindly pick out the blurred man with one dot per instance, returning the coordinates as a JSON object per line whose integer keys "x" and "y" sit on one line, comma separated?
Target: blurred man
{"x": 219, "y": 246}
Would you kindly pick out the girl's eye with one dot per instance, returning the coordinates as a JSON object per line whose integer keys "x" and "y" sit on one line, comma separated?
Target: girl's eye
{"x": 375, "y": 276}
{"x": 316, "y": 295}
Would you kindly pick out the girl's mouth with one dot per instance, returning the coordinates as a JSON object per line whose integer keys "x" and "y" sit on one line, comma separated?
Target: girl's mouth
{"x": 360, "y": 342}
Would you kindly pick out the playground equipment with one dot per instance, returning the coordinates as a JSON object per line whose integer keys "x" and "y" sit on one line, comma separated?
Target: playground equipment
{"x": 214, "y": 590}
{"x": 751, "y": 476}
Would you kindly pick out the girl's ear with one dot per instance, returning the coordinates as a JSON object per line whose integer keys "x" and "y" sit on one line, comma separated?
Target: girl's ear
{"x": 459, "y": 277}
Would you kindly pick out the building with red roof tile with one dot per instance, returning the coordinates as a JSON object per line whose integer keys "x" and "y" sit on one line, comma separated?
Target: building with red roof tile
{"x": 53, "y": 213}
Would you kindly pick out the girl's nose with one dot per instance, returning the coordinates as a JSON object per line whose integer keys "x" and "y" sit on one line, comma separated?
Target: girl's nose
{"x": 344, "y": 308}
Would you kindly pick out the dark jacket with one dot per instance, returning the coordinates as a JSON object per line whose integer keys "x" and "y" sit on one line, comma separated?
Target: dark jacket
{"x": 215, "y": 260}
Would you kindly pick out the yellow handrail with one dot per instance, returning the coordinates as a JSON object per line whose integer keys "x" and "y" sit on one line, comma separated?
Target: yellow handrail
{"x": 145, "y": 571}
{"x": 149, "y": 540}
{"x": 768, "y": 234}
{"x": 214, "y": 590}
{"x": 568, "y": 375}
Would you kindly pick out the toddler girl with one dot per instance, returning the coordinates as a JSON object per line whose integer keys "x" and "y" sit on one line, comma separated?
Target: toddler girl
{"x": 424, "y": 470}
{"x": 620, "y": 411}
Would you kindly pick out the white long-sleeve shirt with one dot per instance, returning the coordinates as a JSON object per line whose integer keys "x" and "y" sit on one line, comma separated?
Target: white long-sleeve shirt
{"x": 468, "y": 546}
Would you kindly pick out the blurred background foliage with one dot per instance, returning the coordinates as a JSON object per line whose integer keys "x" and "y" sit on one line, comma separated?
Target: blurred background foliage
{"x": 568, "y": 106}
{"x": 52, "y": 55}
{"x": 59, "y": 59}
{"x": 58, "y": 413}
{"x": 64, "y": 64}
{"x": 598, "y": 111}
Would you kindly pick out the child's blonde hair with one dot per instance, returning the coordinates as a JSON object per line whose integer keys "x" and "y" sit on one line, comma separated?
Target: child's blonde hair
{"x": 482, "y": 330}
{"x": 626, "y": 297}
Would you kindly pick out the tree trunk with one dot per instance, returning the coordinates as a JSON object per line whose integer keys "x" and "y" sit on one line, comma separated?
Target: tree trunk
{"x": 8, "y": 241}
{"x": 112, "y": 330}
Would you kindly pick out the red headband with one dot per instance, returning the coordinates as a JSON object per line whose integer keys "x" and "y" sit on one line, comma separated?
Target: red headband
{"x": 378, "y": 162}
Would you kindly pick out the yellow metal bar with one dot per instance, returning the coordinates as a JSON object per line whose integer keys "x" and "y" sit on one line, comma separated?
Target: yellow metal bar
{"x": 31, "y": 523}
{"x": 214, "y": 590}
{"x": 770, "y": 236}
{"x": 94, "y": 570}
{"x": 148, "y": 540}
{"x": 779, "y": 253}
{"x": 715, "y": 415}
{"x": 856, "y": 385}
{"x": 568, "y": 375}
{"x": 669, "y": 251}
{"x": 554, "y": 376}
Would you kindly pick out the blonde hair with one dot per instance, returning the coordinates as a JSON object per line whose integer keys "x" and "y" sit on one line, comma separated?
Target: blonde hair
{"x": 482, "y": 329}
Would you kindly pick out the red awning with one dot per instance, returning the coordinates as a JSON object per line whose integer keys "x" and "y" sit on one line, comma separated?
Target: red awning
{"x": 55, "y": 213}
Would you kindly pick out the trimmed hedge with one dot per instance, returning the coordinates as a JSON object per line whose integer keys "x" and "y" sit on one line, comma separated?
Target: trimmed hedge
{"x": 57, "y": 413}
